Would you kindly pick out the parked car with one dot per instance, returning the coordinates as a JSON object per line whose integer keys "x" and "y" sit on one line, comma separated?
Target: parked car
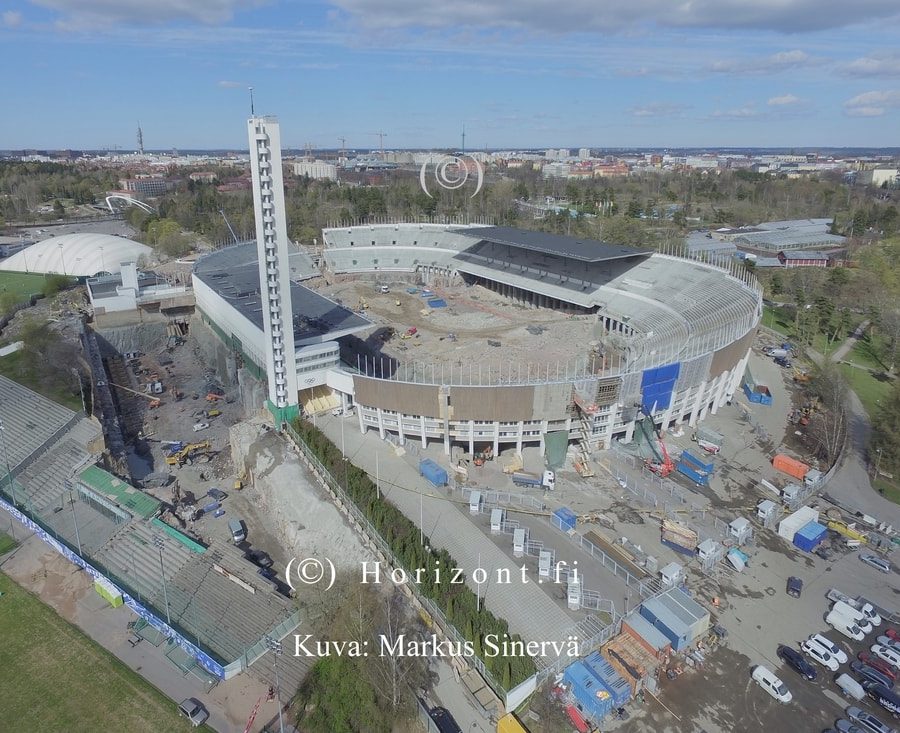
{"x": 867, "y": 721}
{"x": 886, "y": 668}
{"x": 888, "y": 699}
{"x": 819, "y": 655}
{"x": 260, "y": 558}
{"x": 766, "y": 679}
{"x": 868, "y": 673}
{"x": 268, "y": 573}
{"x": 879, "y": 563}
{"x": 829, "y": 646}
{"x": 238, "y": 533}
{"x": 850, "y": 687}
{"x": 794, "y": 586}
{"x": 216, "y": 494}
{"x": 198, "y": 426}
{"x": 796, "y": 660}
{"x": 193, "y": 710}
{"x": 444, "y": 721}
{"x": 886, "y": 640}
{"x": 892, "y": 656}
{"x": 845, "y": 726}
{"x": 892, "y": 634}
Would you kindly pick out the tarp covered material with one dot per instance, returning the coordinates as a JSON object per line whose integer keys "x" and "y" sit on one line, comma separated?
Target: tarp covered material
{"x": 564, "y": 519}
{"x": 657, "y": 386}
{"x": 592, "y": 695}
{"x": 737, "y": 558}
{"x": 556, "y": 444}
{"x": 437, "y": 303}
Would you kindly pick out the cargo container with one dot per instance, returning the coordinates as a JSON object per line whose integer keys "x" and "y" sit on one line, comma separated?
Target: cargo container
{"x": 692, "y": 460}
{"x": 700, "y": 478}
{"x": 790, "y": 466}
{"x": 611, "y": 679}
{"x": 564, "y": 519}
{"x": 592, "y": 696}
{"x": 433, "y": 472}
{"x": 708, "y": 435}
{"x": 791, "y": 524}
{"x": 809, "y": 536}
{"x": 759, "y": 394}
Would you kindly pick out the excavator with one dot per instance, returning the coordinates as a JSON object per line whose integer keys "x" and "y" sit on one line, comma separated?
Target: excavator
{"x": 483, "y": 453}
{"x": 187, "y": 454}
{"x": 663, "y": 464}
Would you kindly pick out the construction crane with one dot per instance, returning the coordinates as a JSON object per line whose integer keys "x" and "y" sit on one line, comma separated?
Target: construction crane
{"x": 154, "y": 401}
{"x": 228, "y": 224}
{"x": 381, "y": 136}
{"x": 343, "y": 144}
{"x": 663, "y": 466}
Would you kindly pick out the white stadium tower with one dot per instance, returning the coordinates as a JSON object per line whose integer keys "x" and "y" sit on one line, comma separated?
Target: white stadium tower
{"x": 631, "y": 331}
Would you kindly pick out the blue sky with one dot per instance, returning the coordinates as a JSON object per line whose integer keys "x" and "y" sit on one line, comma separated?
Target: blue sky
{"x": 516, "y": 73}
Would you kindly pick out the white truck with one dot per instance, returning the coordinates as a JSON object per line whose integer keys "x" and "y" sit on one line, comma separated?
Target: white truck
{"x": 863, "y": 607}
{"x": 857, "y": 617}
{"x": 844, "y": 625}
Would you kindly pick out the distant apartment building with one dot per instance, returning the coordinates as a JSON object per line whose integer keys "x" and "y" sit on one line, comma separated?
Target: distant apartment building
{"x": 556, "y": 170}
{"x": 804, "y": 259}
{"x": 878, "y": 177}
{"x": 584, "y": 153}
{"x": 316, "y": 169}
{"x": 203, "y": 177}
{"x": 604, "y": 170}
{"x": 148, "y": 186}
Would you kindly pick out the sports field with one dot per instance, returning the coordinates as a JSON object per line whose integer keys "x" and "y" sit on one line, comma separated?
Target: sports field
{"x": 20, "y": 284}
{"x": 55, "y": 679}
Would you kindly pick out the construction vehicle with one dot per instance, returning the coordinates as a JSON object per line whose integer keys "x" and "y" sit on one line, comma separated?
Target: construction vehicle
{"x": 801, "y": 377}
{"x": 482, "y": 454}
{"x": 662, "y": 465}
{"x": 188, "y": 453}
{"x": 362, "y": 305}
{"x": 213, "y": 397}
{"x": 154, "y": 401}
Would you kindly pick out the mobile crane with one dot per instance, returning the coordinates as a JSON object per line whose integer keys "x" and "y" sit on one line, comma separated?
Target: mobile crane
{"x": 663, "y": 464}
{"x": 154, "y": 401}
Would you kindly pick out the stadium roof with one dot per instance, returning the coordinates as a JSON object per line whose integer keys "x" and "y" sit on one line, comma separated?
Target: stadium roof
{"x": 234, "y": 274}
{"x": 585, "y": 250}
{"x": 78, "y": 255}
{"x": 136, "y": 502}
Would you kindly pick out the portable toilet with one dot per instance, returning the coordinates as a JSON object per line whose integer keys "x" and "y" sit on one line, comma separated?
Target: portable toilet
{"x": 573, "y": 595}
{"x": 545, "y": 560}
{"x": 739, "y": 529}
{"x": 496, "y": 520}
{"x": 765, "y": 510}
{"x": 707, "y": 549}
{"x": 474, "y": 502}
{"x": 519, "y": 542}
{"x": 671, "y": 574}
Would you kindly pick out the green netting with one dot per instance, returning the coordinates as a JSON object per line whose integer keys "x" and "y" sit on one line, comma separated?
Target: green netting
{"x": 555, "y": 446}
{"x": 134, "y": 500}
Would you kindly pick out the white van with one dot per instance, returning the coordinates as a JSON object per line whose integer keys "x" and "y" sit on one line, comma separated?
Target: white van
{"x": 868, "y": 610}
{"x": 840, "y": 623}
{"x": 771, "y": 684}
{"x": 845, "y": 609}
{"x": 850, "y": 687}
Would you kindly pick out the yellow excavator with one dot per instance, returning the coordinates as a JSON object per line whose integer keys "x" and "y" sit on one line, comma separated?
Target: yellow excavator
{"x": 179, "y": 458}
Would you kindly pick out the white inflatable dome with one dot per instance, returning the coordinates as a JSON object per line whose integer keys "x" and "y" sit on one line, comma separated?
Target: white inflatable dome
{"x": 78, "y": 255}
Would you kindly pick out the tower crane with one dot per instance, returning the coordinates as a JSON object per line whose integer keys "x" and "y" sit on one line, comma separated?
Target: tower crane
{"x": 381, "y": 135}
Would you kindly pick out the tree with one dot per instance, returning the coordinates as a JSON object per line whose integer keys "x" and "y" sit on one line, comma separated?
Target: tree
{"x": 828, "y": 426}
{"x": 53, "y": 284}
{"x": 885, "y": 438}
{"x": 58, "y": 208}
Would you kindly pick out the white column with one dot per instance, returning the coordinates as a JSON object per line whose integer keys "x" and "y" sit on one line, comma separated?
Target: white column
{"x": 698, "y": 404}
{"x": 471, "y": 437}
{"x": 496, "y": 439}
{"x": 380, "y": 423}
{"x": 401, "y": 436}
{"x": 424, "y": 438}
{"x": 720, "y": 393}
{"x": 519, "y": 437}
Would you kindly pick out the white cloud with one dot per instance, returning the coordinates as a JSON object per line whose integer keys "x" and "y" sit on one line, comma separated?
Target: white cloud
{"x": 747, "y": 112}
{"x": 787, "y": 16}
{"x": 224, "y": 84}
{"x": 872, "y": 104}
{"x": 658, "y": 109}
{"x": 782, "y": 61}
{"x": 882, "y": 63}
{"x": 785, "y": 100}
{"x": 85, "y": 13}
{"x": 11, "y": 19}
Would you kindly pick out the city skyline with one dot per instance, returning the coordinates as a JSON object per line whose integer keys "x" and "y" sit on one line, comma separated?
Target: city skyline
{"x": 794, "y": 73}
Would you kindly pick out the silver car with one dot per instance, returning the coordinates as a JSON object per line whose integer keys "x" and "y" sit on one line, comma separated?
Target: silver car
{"x": 867, "y": 721}
{"x": 879, "y": 563}
{"x": 193, "y": 710}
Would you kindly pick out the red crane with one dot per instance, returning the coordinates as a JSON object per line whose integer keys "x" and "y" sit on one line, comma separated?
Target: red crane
{"x": 663, "y": 466}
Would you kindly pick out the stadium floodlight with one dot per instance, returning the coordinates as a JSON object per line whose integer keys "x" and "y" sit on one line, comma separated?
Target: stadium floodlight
{"x": 276, "y": 648}
{"x": 158, "y": 541}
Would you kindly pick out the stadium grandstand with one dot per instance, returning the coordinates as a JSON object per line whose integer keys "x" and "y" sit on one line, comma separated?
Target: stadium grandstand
{"x": 633, "y": 331}
{"x": 208, "y": 605}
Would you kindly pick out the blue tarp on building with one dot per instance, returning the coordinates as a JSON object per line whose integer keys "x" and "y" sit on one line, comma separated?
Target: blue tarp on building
{"x": 657, "y": 386}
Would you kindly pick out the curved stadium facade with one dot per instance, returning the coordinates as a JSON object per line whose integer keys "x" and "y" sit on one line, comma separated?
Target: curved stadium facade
{"x": 664, "y": 335}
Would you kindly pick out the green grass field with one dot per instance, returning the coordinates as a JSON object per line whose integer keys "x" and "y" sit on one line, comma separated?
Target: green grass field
{"x": 55, "y": 679}
{"x": 20, "y": 284}
{"x": 6, "y": 543}
{"x": 11, "y": 366}
{"x": 868, "y": 388}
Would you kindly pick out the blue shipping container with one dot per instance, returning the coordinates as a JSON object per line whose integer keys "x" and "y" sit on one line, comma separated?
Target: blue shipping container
{"x": 692, "y": 460}
{"x": 612, "y": 680}
{"x": 809, "y": 536}
{"x": 589, "y": 692}
{"x": 701, "y": 479}
{"x": 564, "y": 519}
{"x": 433, "y": 472}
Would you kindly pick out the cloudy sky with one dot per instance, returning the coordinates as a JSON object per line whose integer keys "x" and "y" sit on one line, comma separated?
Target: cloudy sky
{"x": 516, "y": 73}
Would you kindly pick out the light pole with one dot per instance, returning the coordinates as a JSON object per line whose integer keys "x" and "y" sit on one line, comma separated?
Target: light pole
{"x": 158, "y": 541}
{"x": 71, "y": 490}
{"x": 877, "y": 463}
{"x": 276, "y": 649}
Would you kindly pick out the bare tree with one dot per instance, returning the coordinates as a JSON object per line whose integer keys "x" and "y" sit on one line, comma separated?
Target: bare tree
{"x": 828, "y": 426}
